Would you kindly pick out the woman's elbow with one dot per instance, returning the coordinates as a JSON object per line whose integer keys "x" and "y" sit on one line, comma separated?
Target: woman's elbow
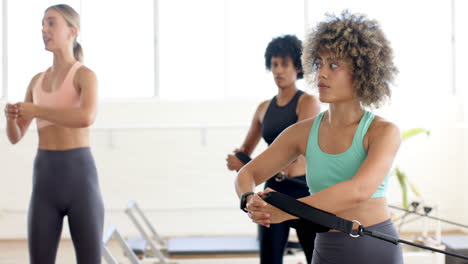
{"x": 358, "y": 192}
{"x": 362, "y": 197}
{"x": 363, "y": 194}
{"x": 13, "y": 141}
{"x": 87, "y": 120}
{"x": 246, "y": 175}
{"x": 14, "y": 138}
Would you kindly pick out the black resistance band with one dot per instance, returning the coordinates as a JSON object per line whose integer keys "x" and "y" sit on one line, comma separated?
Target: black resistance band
{"x": 331, "y": 221}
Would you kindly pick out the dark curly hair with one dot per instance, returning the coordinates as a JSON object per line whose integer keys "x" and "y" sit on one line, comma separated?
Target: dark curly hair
{"x": 361, "y": 43}
{"x": 285, "y": 46}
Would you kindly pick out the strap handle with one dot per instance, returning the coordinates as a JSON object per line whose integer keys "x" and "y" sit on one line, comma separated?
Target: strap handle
{"x": 307, "y": 212}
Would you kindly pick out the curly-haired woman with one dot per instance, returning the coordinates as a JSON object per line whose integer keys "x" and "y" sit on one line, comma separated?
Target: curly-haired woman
{"x": 290, "y": 105}
{"x": 349, "y": 151}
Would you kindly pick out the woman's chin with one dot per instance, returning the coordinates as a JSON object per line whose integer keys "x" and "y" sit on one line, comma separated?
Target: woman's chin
{"x": 324, "y": 99}
{"x": 282, "y": 85}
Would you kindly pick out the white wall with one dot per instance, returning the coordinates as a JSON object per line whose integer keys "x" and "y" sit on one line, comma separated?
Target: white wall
{"x": 178, "y": 175}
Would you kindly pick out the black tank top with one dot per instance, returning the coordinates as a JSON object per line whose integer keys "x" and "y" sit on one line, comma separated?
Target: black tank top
{"x": 278, "y": 118}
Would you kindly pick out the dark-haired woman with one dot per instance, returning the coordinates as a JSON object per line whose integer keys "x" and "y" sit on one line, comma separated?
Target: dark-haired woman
{"x": 290, "y": 105}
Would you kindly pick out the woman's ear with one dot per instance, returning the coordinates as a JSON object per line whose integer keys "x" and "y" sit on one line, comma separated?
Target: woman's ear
{"x": 73, "y": 32}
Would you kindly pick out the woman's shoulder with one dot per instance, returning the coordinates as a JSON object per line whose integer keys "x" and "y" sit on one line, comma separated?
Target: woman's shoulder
{"x": 84, "y": 71}
{"x": 308, "y": 106}
{"x": 263, "y": 105}
{"x": 308, "y": 98}
{"x": 34, "y": 79}
{"x": 382, "y": 127}
{"x": 37, "y": 76}
{"x": 84, "y": 75}
{"x": 382, "y": 123}
{"x": 306, "y": 94}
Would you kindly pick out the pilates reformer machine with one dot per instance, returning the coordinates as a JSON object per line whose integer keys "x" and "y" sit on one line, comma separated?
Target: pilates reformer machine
{"x": 423, "y": 214}
{"x": 150, "y": 247}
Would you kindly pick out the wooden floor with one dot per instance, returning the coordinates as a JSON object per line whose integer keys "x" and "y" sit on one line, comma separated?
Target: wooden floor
{"x": 16, "y": 252}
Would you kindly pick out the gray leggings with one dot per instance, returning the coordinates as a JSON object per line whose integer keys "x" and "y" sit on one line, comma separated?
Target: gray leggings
{"x": 338, "y": 248}
{"x": 65, "y": 183}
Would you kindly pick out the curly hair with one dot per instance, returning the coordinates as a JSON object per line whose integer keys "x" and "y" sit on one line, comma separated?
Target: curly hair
{"x": 285, "y": 46}
{"x": 361, "y": 43}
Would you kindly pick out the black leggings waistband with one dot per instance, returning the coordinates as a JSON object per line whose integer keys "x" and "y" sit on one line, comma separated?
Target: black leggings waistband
{"x": 338, "y": 247}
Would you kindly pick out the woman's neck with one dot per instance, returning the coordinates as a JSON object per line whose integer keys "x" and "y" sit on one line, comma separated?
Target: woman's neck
{"x": 63, "y": 59}
{"x": 285, "y": 94}
{"x": 344, "y": 114}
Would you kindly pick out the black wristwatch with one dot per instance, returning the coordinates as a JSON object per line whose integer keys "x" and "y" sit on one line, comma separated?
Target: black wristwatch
{"x": 243, "y": 201}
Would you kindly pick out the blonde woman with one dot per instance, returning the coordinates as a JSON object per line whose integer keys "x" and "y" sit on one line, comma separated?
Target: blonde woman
{"x": 63, "y": 101}
{"x": 349, "y": 151}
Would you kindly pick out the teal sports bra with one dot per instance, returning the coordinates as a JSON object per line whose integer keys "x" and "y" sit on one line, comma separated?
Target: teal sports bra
{"x": 325, "y": 170}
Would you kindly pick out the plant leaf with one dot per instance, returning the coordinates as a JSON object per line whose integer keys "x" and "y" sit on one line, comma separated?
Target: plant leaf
{"x": 413, "y": 132}
{"x": 414, "y": 189}
{"x": 402, "y": 179}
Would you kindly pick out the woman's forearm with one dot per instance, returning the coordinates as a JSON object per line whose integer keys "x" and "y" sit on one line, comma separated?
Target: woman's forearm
{"x": 14, "y": 131}
{"x": 67, "y": 117}
{"x": 337, "y": 198}
{"x": 244, "y": 182}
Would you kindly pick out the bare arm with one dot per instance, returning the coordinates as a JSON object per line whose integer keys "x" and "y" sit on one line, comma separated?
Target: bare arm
{"x": 383, "y": 146}
{"x": 76, "y": 117}
{"x": 255, "y": 131}
{"x": 307, "y": 107}
{"x": 17, "y": 127}
{"x": 251, "y": 140}
{"x": 281, "y": 152}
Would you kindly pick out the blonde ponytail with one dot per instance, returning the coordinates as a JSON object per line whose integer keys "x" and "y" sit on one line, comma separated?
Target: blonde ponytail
{"x": 78, "y": 51}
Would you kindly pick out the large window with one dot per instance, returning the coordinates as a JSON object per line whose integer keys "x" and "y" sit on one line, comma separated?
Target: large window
{"x": 191, "y": 49}
{"x": 250, "y": 26}
{"x": 118, "y": 44}
{"x": 211, "y": 49}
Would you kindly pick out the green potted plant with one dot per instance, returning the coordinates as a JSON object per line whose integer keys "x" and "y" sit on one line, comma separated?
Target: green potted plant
{"x": 403, "y": 180}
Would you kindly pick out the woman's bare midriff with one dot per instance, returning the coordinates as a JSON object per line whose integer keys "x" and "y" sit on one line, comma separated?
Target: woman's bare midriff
{"x": 62, "y": 138}
{"x": 370, "y": 212}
